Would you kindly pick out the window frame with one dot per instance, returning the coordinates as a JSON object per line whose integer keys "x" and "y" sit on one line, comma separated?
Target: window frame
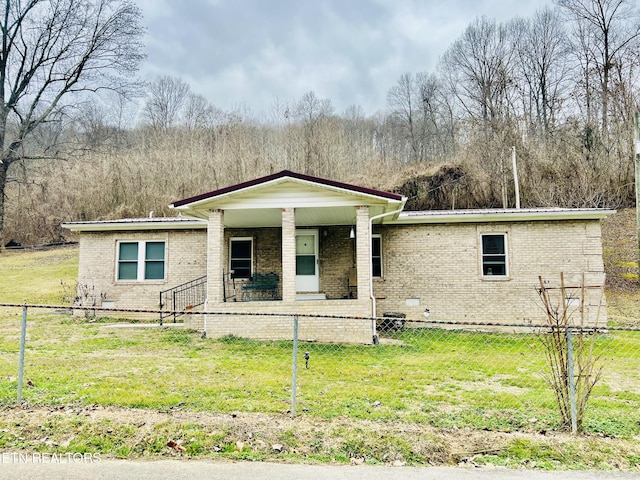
{"x": 505, "y": 254}
{"x": 141, "y": 261}
{"x": 376, "y": 236}
{"x": 231, "y": 259}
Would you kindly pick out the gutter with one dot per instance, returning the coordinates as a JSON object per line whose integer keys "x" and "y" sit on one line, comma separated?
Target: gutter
{"x": 135, "y": 225}
{"x": 500, "y": 215}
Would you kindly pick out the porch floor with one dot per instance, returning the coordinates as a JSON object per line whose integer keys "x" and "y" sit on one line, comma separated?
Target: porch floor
{"x": 311, "y": 296}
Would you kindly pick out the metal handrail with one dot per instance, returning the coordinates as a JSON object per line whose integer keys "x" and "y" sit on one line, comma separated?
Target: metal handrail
{"x": 228, "y": 286}
{"x": 183, "y": 297}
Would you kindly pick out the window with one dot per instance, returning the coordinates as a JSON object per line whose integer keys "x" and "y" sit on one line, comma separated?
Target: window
{"x": 376, "y": 255}
{"x": 139, "y": 261}
{"x": 241, "y": 257}
{"x": 154, "y": 261}
{"x": 494, "y": 255}
{"x": 128, "y": 261}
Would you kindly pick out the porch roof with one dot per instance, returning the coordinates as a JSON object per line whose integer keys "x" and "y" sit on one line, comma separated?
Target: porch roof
{"x": 318, "y": 201}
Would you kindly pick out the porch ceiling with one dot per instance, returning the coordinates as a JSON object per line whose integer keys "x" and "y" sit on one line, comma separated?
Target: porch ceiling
{"x": 305, "y": 217}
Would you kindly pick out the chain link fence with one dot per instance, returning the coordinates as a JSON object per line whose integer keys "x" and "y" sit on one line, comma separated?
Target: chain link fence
{"x": 443, "y": 374}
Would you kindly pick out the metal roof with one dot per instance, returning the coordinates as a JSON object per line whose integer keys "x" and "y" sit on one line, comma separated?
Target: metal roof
{"x": 292, "y": 175}
{"x": 145, "y": 223}
{"x": 501, "y": 215}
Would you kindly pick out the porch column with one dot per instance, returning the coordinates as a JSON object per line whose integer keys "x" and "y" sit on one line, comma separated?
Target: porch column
{"x": 215, "y": 257}
{"x": 363, "y": 249}
{"x": 288, "y": 255}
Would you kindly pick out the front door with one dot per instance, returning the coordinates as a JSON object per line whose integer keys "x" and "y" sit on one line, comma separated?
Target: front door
{"x": 307, "y": 274}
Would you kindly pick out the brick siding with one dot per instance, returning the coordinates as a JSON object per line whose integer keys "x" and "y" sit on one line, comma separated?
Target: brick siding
{"x": 424, "y": 266}
{"x": 185, "y": 261}
{"x": 275, "y": 327}
{"x": 439, "y": 267}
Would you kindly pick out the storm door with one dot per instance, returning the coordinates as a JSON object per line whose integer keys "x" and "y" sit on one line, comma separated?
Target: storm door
{"x": 307, "y": 274}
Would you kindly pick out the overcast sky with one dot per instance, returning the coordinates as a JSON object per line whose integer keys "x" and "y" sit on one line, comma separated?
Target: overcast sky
{"x": 255, "y": 53}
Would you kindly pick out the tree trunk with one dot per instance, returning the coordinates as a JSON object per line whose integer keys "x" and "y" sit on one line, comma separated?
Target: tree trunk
{"x": 4, "y": 166}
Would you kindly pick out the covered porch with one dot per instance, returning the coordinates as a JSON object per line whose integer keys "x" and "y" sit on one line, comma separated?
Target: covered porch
{"x": 290, "y": 243}
{"x": 325, "y": 263}
{"x": 290, "y": 263}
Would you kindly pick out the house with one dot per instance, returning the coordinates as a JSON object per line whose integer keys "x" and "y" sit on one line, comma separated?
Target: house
{"x": 290, "y": 243}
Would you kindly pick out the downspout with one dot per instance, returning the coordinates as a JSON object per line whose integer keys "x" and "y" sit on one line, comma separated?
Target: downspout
{"x": 371, "y": 295}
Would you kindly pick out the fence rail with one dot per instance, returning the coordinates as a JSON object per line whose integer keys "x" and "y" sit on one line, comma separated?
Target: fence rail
{"x": 442, "y": 373}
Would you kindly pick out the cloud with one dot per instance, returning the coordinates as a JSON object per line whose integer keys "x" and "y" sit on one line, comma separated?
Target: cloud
{"x": 256, "y": 52}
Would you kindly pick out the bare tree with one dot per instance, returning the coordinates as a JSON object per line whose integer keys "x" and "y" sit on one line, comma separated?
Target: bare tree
{"x": 53, "y": 50}
{"x": 478, "y": 70}
{"x": 358, "y": 136}
{"x": 543, "y": 66}
{"x": 104, "y": 121}
{"x": 166, "y": 98}
{"x": 605, "y": 31}
{"x": 198, "y": 112}
{"x": 416, "y": 115}
{"x": 312, "y": 112}
{"x": 404, "y": 111}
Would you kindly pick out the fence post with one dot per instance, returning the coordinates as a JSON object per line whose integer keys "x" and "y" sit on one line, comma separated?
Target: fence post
{"x": 161, "y": 305}
{"x": 174, "y": 306}
{"x": 294, "y": 366}
{"x": 572, "y": 383}
{"x": 23, "y": 341}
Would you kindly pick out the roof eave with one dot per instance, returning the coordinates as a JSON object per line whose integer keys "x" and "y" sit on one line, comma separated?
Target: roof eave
{"x": 500, "y": 216}
{"x": 189, "y": 204}
{"x": 132, "y": 226}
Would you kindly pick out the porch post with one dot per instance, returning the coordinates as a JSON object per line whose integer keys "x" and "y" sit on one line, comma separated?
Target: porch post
{"x": 363, "y": 242}
{"x": 288, "y": 255}
{"x": 215, "y": 257}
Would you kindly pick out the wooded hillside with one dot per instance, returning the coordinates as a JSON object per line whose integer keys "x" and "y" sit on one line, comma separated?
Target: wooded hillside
{"x": 561, "y": 87}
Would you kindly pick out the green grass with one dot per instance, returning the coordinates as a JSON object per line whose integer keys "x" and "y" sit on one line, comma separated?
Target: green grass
{"x": 384, "y": 404}
{"x": 446, "y": 379}
{"x": 408, "y": 402}
{"x": 42, "y": 277}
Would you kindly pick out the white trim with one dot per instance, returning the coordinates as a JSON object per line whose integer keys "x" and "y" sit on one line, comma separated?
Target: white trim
{"x": 141, "y": 262}
{"x": 500, "y": 215}
{"x": 224, "y": 197}
{"x": 303, "y": 282}
{"x": 136, "y": 225}
{"x": 241, "y": 239}
{"x": 507, "y": 270}
{"x": 377, "y": 235}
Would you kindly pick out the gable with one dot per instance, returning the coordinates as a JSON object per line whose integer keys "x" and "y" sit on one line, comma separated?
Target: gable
{"x": 289, "y": 177}
{"x": 317, "y": 201}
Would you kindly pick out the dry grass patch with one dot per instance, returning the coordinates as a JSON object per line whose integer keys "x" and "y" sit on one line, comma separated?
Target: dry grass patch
{"x": 134, "y": 433}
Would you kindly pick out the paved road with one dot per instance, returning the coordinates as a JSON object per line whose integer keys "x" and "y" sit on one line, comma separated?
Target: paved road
{"x": 195, "y": 470}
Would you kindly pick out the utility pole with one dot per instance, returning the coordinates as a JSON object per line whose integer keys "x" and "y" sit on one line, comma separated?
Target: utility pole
{"x": 516, "y": 181}
{"x": 636, "y": 142}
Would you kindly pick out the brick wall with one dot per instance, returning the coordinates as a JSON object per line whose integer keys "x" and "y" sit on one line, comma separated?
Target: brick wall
{"x": 363, "y": 252}
{"x": 185, "y": 260}
{"x": 336, "y": 258}
{"x": 288, "y": 255}
{"x": 424, "y": 266}
{"x": 275, "y": 327}
{"x": 335, "y": 255}
{"x": 215, "y": 248}
{"x": 439, "y": 267}
{"x": 267, "y": 249}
